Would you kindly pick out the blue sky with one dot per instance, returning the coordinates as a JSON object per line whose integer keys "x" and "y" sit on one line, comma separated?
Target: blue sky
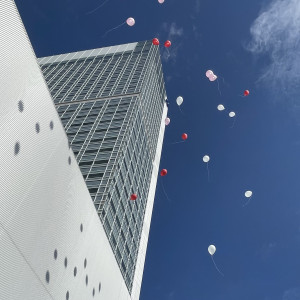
{"x": 250, "y": 45}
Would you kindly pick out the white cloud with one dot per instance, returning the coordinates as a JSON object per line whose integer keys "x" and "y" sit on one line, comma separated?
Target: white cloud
{"x": 275, "y": 33}
{"x": 291, "y": 294}
{"x": 174, "y": 33}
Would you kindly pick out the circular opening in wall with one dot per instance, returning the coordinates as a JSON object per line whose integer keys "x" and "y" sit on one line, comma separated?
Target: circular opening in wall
{"x": 69, "y": 160}
{"x": 47, "y": 276}
{"x": 66, "y": 262}
{"x": 51, "y": 125}
{"x": 85, "y": 263}
{"x": 75, "y": 272}
{"x": 67, "y": 295}
{"x": 55, "y": 254}
{"x": 81, "y": 227}
{"x": 86, "y": 280}
{"x": 17, "y": 148}
{"x": 37, "y": 127}
{"x": 93, "y": 292}
{"x": 21, "y": 106}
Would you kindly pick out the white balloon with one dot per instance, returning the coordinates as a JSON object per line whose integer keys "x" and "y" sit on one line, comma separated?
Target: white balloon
{"x": 248, "y": 194}
{"x": 179, "y": 100}
{"x": 209, "y": 73}
{"x": 221, "y": 107}
{"x": 212, "y": 249}
{"x": 161, "y": 1}
{"x": 206, "y": 158}
{"x": 232, "y": 114}
{"x": 167, "y": 121}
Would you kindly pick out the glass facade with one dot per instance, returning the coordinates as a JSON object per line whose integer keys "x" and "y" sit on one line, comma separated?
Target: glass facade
{"x": 111, "y": 106}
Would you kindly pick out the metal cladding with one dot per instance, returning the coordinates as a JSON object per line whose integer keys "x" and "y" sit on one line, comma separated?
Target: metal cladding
{"x": 111, "y": 103}
{"x": 53, "y": 245}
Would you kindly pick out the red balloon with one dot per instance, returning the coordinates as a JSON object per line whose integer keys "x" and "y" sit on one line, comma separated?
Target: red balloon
{"x": 167, "y": 44}
{"x": 184, "y": 136}
{"x": 163, "y": 172}
{"x": 133, "y": 197}
{"x": 246, "y": 93}
{"x": 155, "y": 42}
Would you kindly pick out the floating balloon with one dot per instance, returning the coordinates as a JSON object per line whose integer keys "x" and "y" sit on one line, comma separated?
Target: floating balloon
{"x": 213, "y": 77}
{"x": 246, "y": 93}
{"x": 179, "y": 100}
{"x": 163, "y": 172}
{"x": 167, "y": 121}
{"x": 221, "y": 107}
{"x": 133, "y": 197}
{"x": 161, "y": 1}
{"x": 232, "y": 114}
{"x": 155, "y": 42}
{"x": 184, "y": 136}
{"x": 209, "y": 73}
{"x": 167, "y": 44}
{"x": 130, "y": 21}
{"x": 206, "y": 158}
{"x": 248, "y": 194}
{"x": 212, "y": 249}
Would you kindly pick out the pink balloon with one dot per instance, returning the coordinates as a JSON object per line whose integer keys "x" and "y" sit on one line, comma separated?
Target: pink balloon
{"x": 213, "y": 77}
{"x": 167, "y": 121}
{"x": 209, "y": 73}
{"x": 130, "y": 21}
{"x": 161, "y": 1}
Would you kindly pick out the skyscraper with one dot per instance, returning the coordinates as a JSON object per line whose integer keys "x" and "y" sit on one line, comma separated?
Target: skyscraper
{"x": 112, "y": 104}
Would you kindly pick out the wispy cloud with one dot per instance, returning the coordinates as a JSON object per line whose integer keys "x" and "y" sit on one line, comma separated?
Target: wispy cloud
{"x": 171, "y": 295}
{"x": 266, "y": 250}
{"x": 197, "y": 6}
{"x": 174, "y": 33}
{"x": 275, "y": 34}
{"x": 291, "y": 294}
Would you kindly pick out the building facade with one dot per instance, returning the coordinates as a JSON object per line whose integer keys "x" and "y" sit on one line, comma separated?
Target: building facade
{"x": 53, "y": 244}
{"x": 111, "y": 102}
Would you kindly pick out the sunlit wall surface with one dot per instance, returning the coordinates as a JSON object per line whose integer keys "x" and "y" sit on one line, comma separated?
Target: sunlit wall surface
{"x": 112, "y": 104}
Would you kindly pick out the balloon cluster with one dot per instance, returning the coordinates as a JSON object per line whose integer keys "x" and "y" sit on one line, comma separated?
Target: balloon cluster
{"x": 210, "y": 75}
{"x": 167, "y": 43}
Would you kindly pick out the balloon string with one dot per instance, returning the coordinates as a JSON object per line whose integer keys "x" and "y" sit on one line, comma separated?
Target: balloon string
{"x": 233, "y": 122}
{"x": 177, "y": 142}
{"x": 113, "y": 29}
{"x": 219, "y": 87}
{"x": 90, "y": 12}
{"x": 163, "y": 188}
{"x": 222, "y": 78}
{"x": 181, "y": 110}
{"x": 168, "y": 53}
{"x": 207, "y": 171}
{"x": 247, "y": 202}
{"x": 216, "y": 266}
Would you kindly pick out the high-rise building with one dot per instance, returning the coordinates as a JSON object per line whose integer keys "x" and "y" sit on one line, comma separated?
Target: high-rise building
{"x": 112, "y": 104}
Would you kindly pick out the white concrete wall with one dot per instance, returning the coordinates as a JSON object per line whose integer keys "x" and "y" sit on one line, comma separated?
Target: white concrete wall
{"x": 43, "y": 198}
{"x": 138, "y": 276}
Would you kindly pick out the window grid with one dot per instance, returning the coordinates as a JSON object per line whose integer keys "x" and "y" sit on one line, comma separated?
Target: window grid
{"x": 114, "y": 139}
